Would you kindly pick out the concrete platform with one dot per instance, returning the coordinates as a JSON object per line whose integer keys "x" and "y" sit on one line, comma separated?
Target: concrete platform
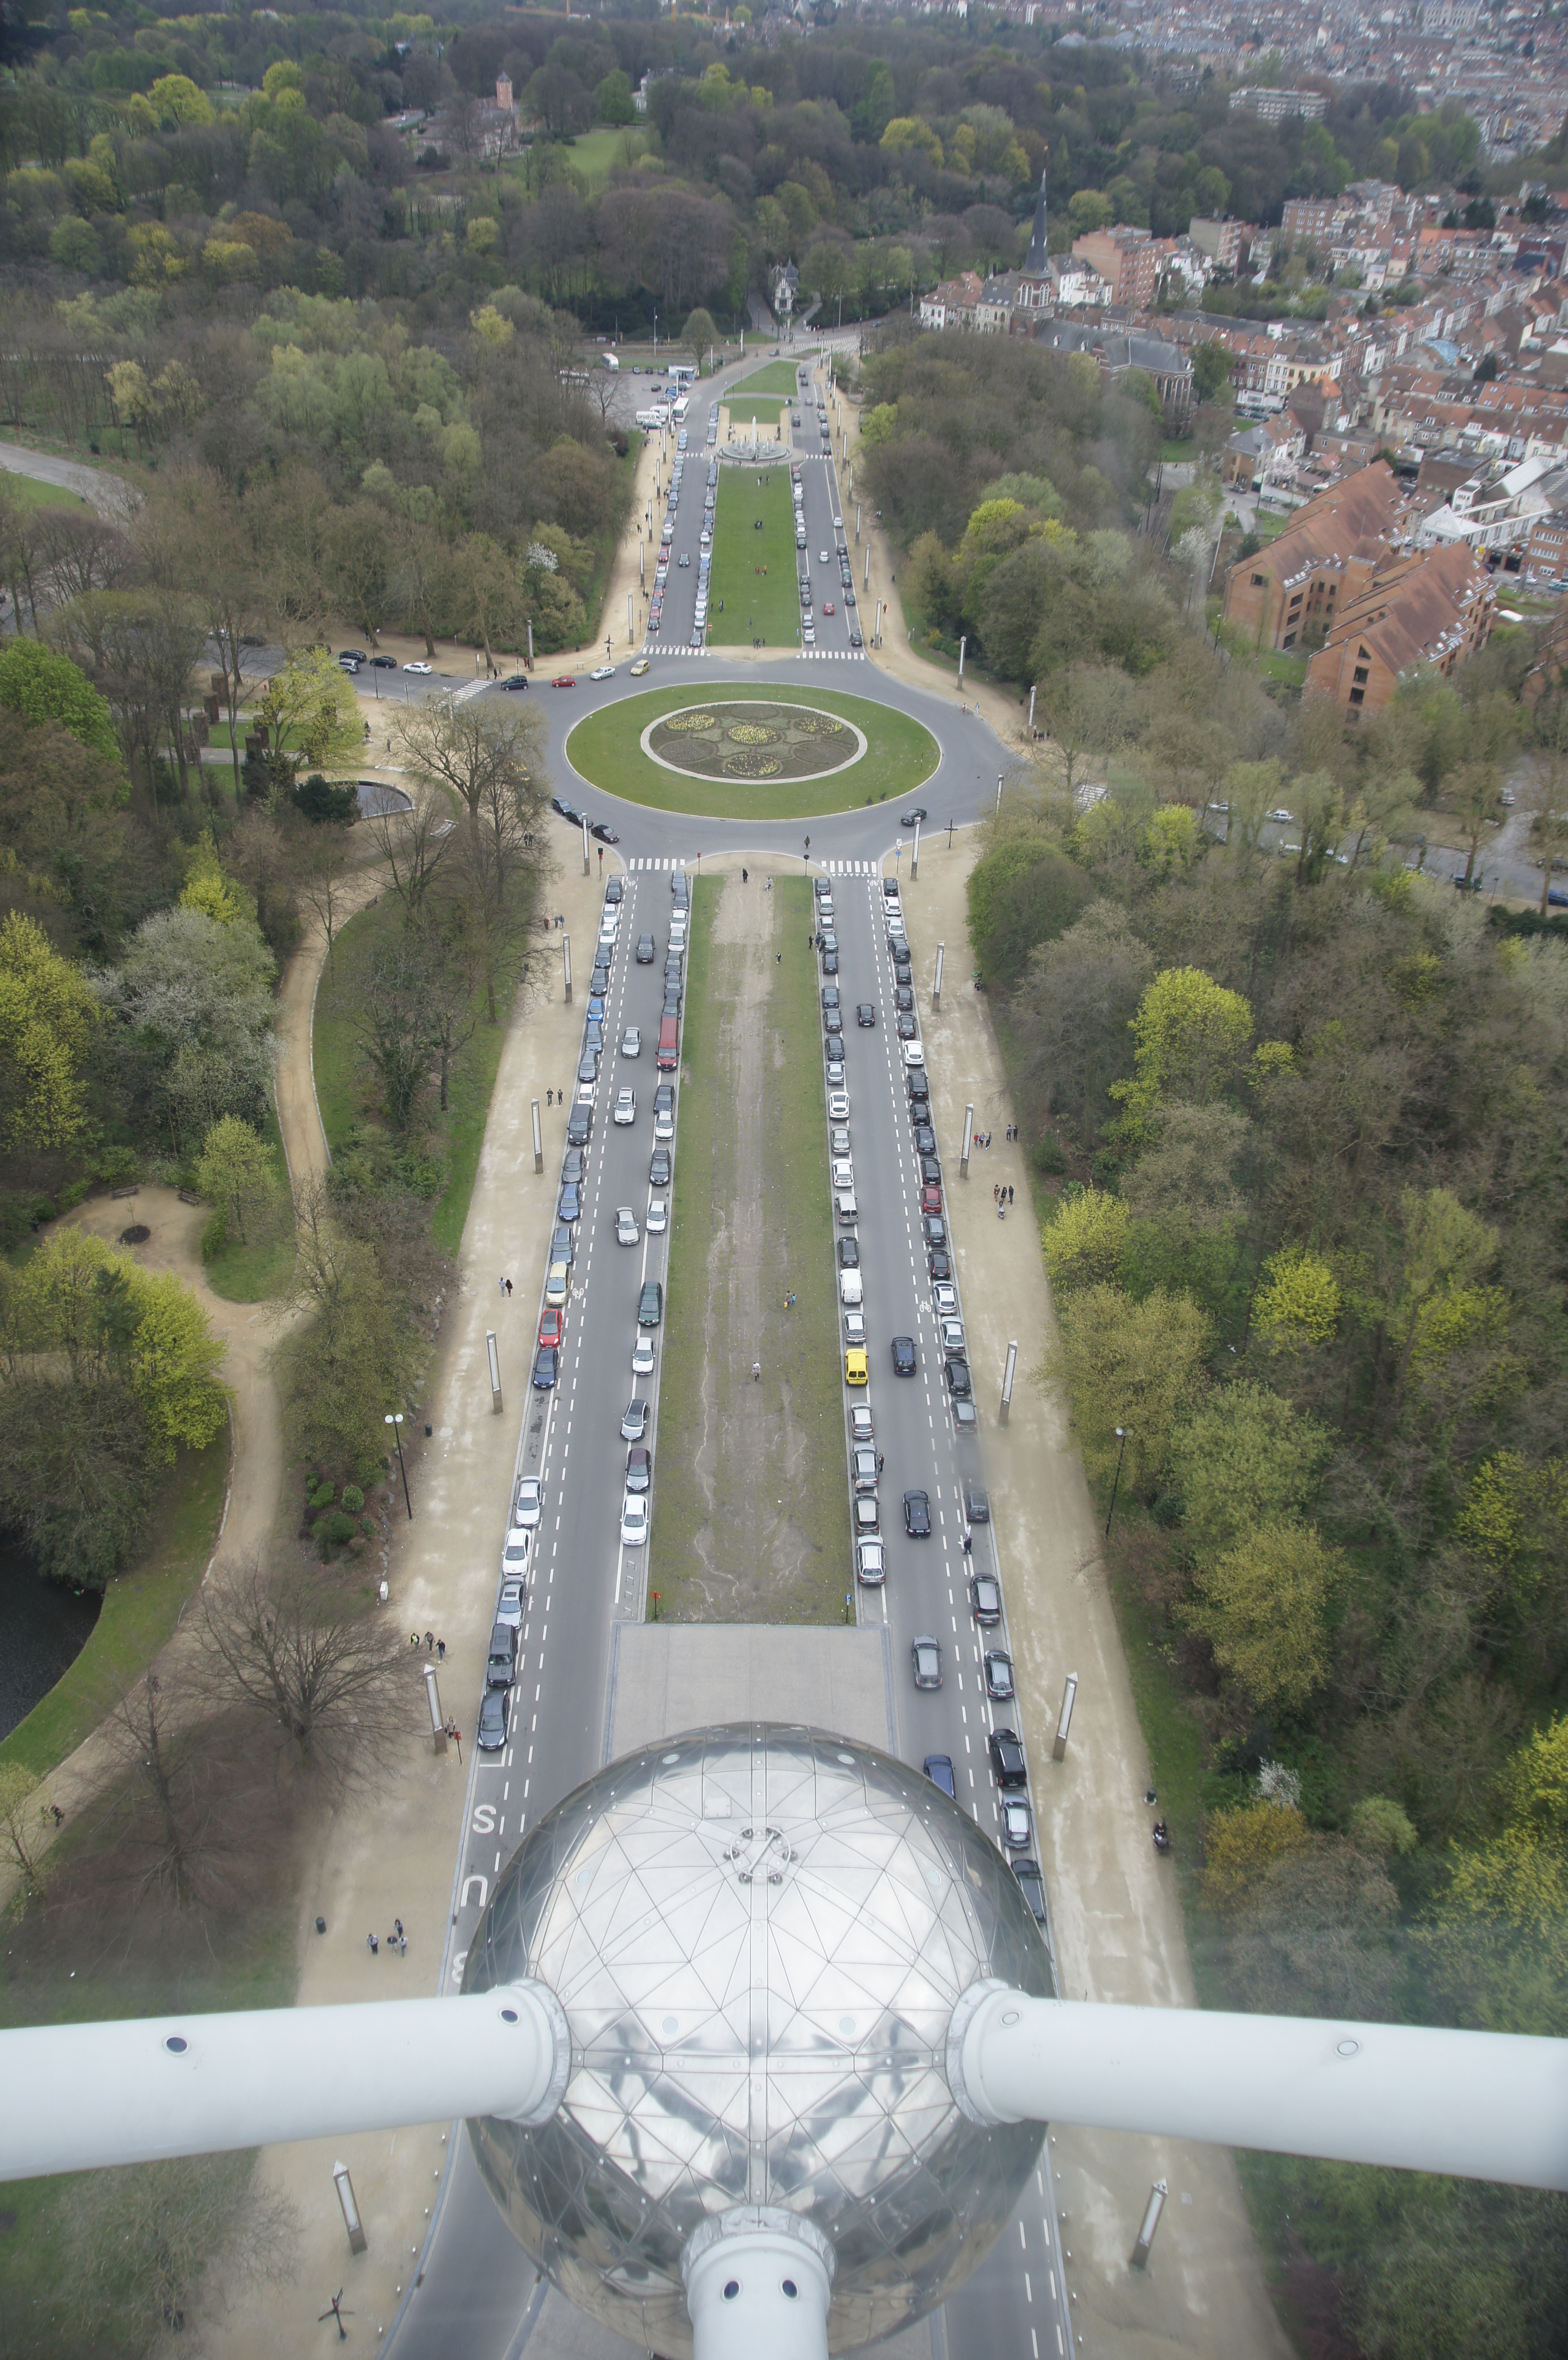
{"x": 669, "y": 1677}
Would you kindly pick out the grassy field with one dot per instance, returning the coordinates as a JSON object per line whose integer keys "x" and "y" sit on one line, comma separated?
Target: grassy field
{"x": 754, "y": 573}
{"x": 30, "y": 493}
{"x": 605, "y": 751}
{"x": 751, "y": 1476}
{"x": 340, "y": 1081}
{"x": 778, "y": 377}
{"x": 141, "y": 1607}
{"x": 595, "y": 154}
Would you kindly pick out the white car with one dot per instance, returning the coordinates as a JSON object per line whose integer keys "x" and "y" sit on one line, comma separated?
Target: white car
{"x": 914, "y": 1052}
{"x": 625, "y": 1226}
{"x": 515, "y": 1555}
{"x": 838, "y": 1106}
{"x": 631, "y": 1043}
{"x": 663, "y": 1124}
{"x": 842, "y": 1172}
{"x": 604, "y": 672}
{"x": 951, "y": 1333}
{"x": 625, "y": 1107}
{"x": 657, "y": 1215}
{"x": 838, "y": 524}
{"x": 529, "y": 1505}
{"x": 511, "y": 1610}
{"x": 422, "y": 668}
{"x": 642, "y": 1354}
{"x": 822, "y": 557}
{"x": 946, "y": 1297}
{"x": 634, "y": 1520}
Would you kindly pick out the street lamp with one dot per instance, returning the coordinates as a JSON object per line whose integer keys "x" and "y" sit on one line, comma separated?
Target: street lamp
{"x": 394, "y": 1418}
{"x": 1122, "y": 1440}
{"x": 998, "y": 795}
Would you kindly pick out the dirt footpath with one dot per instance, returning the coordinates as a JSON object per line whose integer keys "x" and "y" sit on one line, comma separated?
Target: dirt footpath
{"x": 1116, "y": 1916}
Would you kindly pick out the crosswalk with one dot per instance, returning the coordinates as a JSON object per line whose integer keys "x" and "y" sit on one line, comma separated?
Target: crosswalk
{"x": 653, "y": 649}
{"x": 831, "y": 655}
{"x": 668, "y": 647}
{"x": 667, "y": 861}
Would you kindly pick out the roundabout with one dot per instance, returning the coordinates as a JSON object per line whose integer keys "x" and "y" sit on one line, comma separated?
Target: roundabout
{"x": 746, "y": 751}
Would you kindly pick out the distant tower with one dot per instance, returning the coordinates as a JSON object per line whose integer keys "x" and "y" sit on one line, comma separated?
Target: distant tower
{"x": 504, "y": 93}
{"x": 1034, "y": 266}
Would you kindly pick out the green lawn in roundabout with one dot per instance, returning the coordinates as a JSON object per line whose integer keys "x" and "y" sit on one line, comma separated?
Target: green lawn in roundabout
{"x": 778, "y": 377}
{"x": 607, "y": 751}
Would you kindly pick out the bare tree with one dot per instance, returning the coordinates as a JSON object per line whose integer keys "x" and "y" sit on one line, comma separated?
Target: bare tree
{"x": 332, "y": 1676}
{"x": 21, "y": 1820}
{"x": 322, "y": 883}
{"x": 412, "y": 844}
{"x": 177, "y": 1841}
{"x": 143, "y": 2241}
{"x": 392, "y": 1025}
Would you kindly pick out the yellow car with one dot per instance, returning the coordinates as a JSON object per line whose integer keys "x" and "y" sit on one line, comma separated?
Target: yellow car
{"x": 854, "y": 1369}
{"x": 639, "y": 668}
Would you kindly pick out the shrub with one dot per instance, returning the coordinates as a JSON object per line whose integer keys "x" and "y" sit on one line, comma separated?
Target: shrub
{"x": 214, "y": 1233}
{"x": 334, "y": 1531}
{"x": 1048, "y": 1156}
{"x": 320, "y": 1493}
{"x": 1241, "y": 1847}
{"x": 353, "y": 1498}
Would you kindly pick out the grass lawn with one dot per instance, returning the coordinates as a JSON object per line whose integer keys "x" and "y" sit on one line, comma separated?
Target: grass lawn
{"x": 778, "y": 377}
{"x": 757, "y": 604}
{"x": 260, "y": 1268}
{"x": 720, "y": 1487}
{"x": 1181, "y": 448}
{"x": 141, "y": 1607}
{"x": 605, "y": 751}
{"x": 30, "y": 493}
{"x": 595, "y": 154}
{"x": 340, "y": 1086}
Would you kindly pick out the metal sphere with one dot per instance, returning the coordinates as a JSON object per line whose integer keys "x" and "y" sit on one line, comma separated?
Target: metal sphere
{"x": 757, "y": 1935}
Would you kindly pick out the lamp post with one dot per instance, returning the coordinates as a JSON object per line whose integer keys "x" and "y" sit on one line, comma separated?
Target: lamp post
{"x": 394, "y": 1418}
{"x": 998, "y": 795}
{"x": 1116, "y": 1485}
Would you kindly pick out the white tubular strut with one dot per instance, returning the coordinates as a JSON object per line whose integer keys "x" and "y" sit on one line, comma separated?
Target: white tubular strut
{"x": 1484, "y": 2105}
{"x": 79, "y": 2096}
{"x": 759, "y": 2283}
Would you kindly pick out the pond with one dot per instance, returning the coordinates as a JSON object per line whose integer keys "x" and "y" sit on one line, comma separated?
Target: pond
{"x": 46, "y": 1627}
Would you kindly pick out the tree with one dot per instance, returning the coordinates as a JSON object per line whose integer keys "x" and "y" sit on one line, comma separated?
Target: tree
{"x": 1299, "y": 1300}
{"x": 1242, "y": 1846}
{"x": 321, "y": 885}
{"x": 350, "y": 1355}
{"x": 1211, "y": 370}
{"x": 1084, "y": 1239}
{"x": 700, "y": 332}
{"x": 47, "y": 1017}
{"x": 237, "y": 1171}
{"x": 1311, "y": 1937}
{"x": 363, "y": 564}
{"x": 489, "y": 595}
{"x": 1246, "y": 1458}
{"x": 1022, "y": 893}
{"x": 393, "y": 1030}
{"x": 1191, "y": 1034}
{"x": 23, "y": 1820}
{"x": 1184, "y": 1179}
{"x": 196, "y": 1000}
{"x": 1548, "y": 790}
{"x": 1075, "y": 1009}
{"x": 1263, "y": 1608}
{"x": 1497, "y": 1941}
{"x": 175, "y": 1360}
{"x": 311, "y": 702}
{"x": 73, "y": 1472}
{"x": 1139, "y": 1366}
{"x": 139, "y": 647}
{"x": 412, "y": 844}
{"x": 142, "y": 2242}
{"x": 333, "y": 1676}
{"x": 43, "y": 686}
{"x": 613, "y": 99}
{"x": 493, "y": 764}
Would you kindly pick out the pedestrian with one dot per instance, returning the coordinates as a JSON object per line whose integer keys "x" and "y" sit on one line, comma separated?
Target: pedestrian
{"x": 397, "y": 1928}
{"x": 59, "y": 1815}
{"x": 995, "y": 1192}
{"x": 1001, "y": 1212}
{"x": 440, "y": 1649}
{"x": 502, "y": 1286}
{"x": 968, "y": 1542}
{"x": 780, "y": 961}
{"x": 508, "y": 1290}
{"x": 413, "y": 1638}
{"x": 402, "y": 1946}
{"x": 373, "y": 1944}
{"x": 879, "y": 1462}
{"x": 430, "y": 1642}
{"x": 1009, "y": 1200}
{"x": 744, "y": 876}
{"x": 757, "y": 1372}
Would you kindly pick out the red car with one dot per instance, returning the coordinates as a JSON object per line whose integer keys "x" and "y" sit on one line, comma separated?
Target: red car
{"x": 551, "y": 1327}
{"x": 828, "y": 608}
{"x": 930, "y": 1200}
{"x": 565, "y": 680}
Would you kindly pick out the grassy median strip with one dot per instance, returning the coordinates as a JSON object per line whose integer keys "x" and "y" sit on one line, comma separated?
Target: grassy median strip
{"x": 754, "y": 577}
{"x": 749, "y": 1523}
{"x": 778, "y": 377}
{"x": 605, "y": 750}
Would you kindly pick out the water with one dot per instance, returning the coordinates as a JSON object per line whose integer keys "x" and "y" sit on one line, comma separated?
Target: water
{"x": 45, "y": 1628}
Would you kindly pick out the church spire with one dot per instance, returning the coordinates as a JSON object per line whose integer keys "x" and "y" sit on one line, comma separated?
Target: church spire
{"x": 1035, "y": 264}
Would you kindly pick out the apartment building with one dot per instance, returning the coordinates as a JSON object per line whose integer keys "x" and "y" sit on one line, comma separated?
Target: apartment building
{"x": 1428, "y": 608}
{"x": 1327, "y": 556}
{"x": 1126, "y": 259}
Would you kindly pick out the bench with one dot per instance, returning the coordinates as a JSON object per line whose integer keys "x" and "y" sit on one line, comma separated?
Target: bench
{"x": 131, "y": 1191}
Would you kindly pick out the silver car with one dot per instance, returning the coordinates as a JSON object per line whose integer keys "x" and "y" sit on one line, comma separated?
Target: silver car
{"x": 631, "y": 1042}
{"x": 625, "y": 1226}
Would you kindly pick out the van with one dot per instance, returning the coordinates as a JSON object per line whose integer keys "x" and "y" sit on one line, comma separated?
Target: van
{"x": 501, "y": 1661}
{"x": 848, "y": 1210}
{"x": 668, "y": 1044}
{"x": 851, "y": 1289}
{"x": 558, "y": 1286}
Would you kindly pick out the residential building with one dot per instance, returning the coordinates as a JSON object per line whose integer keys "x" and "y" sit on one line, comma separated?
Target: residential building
{"x": 1114, "y": 351}
{"x": 1223, "y": 241}
{"x": 1262, "y": 454}
{"x": 1429, "y": 609}
{"x": 1328, "y": 554}
{"x": 1126, "y": 259}
{"x": 1277, "y": 106}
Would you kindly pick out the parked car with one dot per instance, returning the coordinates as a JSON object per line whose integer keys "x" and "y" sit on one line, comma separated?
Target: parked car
{"x": 634, "y": 1520}
{"x": 1008, "y": 1763}
{"x": 657, "y": 1215}
{"x": 634, "y": 1421}
{"x": 527, "y": 1504}
{"x": 871, "y": 1562}
{"x": 658, "y": 1168}
{"x": 998, "y": 1670}
{"x": 639, "y": 1468}
{"x": 546, "y": 1368}
{"x": 986, "y": 1598}
{"x": 650, "y": 1304}
{"x": 1016, "y": 1824}
{"x": 1031, "y": 1884}
{"x": 976, "y": 1498}
{"x": 493, "y": 1710}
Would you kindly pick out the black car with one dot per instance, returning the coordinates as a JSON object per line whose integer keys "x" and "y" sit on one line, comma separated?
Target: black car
{"x": 604, "y": 832}
{"x": 579, "y": 1126}
{"x": 1007, "y": 1754}
{"x": 830, "y": 962}
{"x": 926, "y": 1657}
{"x": 916, "y": 811}
{"x": 856, "y": 641}
{"x": 516, "y": 680}
{"x": 831, "y": 996}
{"x": 650, "y": 1304}
{"x": 614, "y": 890}
{"x": 939, "y": 1263}
{"x": 658, "y": 1168}
{"x": 639, "y": 1468}
{"x": 570, "y": 1208}
{"x": 546, "y": 1363}
{"x": 849, "y": 1253}
{"x": 493, "y": 1715}
{"x": 573, "y": 1166}
{"x": 930, "y": 1169}
{"x": 938, "y": 1768}
{"x": 933, "y": 1228}
{"x": 999, "y": 1675}
{"x": 917, "y": 1515}
{"x": 904, "y": 1355}
{"x": 832, "y": 1023}
{"x": 959, "y": 1383}
{"x": 381, "y": 664}
{"x": 977, "y": 1504}
{"x": 647, "y": 950}
{"x": 925, "y": 1138}
{"x": 917, "y": 1083}
{"x": 866, "y": 1015}
{"x": 560, "y": 1246}
{"x": 671, "y": 1003}
{"x": 906, "y": 1024}
{"x": 588, "y": 1065}
{"x": 986, "y": 1598}
{"x": 1031, "y": 1884}
{"x": 568, "y": 810}
{"x": 903, "y": 998}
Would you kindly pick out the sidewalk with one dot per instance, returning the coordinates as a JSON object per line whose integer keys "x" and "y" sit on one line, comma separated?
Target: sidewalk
{"x": 1116, "y": 1915}
{"x": 390, "y": 1854}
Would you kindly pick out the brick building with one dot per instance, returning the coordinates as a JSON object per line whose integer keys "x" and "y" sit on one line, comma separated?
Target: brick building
{"x": 1127, "y": 261}
{"x": 1428, "y": 607}
{"x": 1324, "y": 558}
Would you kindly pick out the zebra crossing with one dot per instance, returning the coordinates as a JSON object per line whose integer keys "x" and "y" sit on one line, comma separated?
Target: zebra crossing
{"x": 653, "y": 649}
{"x": 667, "y": 648}
{"x": 830, "y": 655}
{"x": 667, "y": 861}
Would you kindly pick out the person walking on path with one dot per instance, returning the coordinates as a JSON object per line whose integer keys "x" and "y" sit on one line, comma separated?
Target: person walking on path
{"x": 440, "y": 1649}
{"x": 508, "y": 1284}
{"x": 757, "y": 1372}
{"x": 968, "y": 1542}
{"x": 1009, "y": 1200}
{"x": 373, "y": 1944}
{"x": 430, "y": 1643}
